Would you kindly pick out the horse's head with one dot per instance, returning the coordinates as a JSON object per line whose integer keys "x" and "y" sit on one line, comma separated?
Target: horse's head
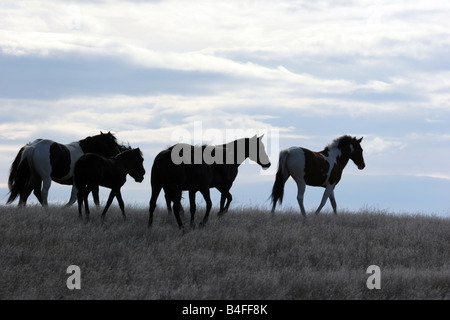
{"x": 257, "y": 152}
{"x": 137, "y": 170}
{"x": 356, "y": 153}
{"x": 107, "y": 144}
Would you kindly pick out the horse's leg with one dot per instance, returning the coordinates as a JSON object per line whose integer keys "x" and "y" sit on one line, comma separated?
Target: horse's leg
{"x": 37, "y": 189}
{"x": 152, "y": 205}
{"x": 169, "y": 207}
{"x": 229, "y": 199}
{"x": 121, "y": 204}
{"x": 45, "y": 186}
{"x": 80, "y": 202}
{"x": 95, "y": 192}
{"x": 85, "y": 195}
{"x": 225, "y": 200}
{"x": 326, "y": 194}
{"x": 112, "y": 194}
{"x": 222, "y": 202}
{"x": 176, "y": 208}
{"x": 301, "y": 186}
{"x": 205, "y": 193}
{"x": 181, "y": 210}
{"x": 193, "y": 207}
{"x": 333, "y": 202}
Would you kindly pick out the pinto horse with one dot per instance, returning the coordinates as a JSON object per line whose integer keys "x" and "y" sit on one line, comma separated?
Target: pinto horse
{"x": 319, "y": 169}
{"x": 93, "y": 170}
{"x": 43, "y": 160}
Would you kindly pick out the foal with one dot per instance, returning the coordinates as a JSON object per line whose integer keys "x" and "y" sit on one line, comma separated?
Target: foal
{"x": 93, "y": 170}
{"x": 319, "y": 169}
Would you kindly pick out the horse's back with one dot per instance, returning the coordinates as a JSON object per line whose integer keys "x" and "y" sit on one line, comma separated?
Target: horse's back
{"x": 183, "y": 176}
{"x": 308, "y": 165}
{"x": 89, "y": 166}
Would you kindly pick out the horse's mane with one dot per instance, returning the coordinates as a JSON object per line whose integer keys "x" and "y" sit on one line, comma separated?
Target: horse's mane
{"x": 339, "y": 142}
{"x": 203, "y": 146}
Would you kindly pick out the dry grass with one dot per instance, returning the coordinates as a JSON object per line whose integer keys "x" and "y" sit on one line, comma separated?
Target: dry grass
{"x": 246, "y": 255}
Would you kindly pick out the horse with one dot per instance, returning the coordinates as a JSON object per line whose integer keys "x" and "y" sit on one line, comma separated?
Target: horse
{"x": 228, "y": 158}
{"x": 225, "y": 173}
{"x": 93, "y": 170}
{"x": 174, "y": 177}
{"x": 319, "y": 169}
{"x": 43, "y": 160}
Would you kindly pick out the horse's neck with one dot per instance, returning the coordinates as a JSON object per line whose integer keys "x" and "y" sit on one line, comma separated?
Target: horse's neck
{"x": 232, "y": 151}
{"x": 122, "y": 159}
{"x": 335, "y": 155}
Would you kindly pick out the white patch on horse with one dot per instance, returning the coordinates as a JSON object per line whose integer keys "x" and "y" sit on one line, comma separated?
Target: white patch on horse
{"x": 75, "y": 153}
{"x": 333, "y": 154}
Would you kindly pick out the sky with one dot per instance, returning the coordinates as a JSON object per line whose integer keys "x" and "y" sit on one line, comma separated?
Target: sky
{"x": 300, "y": 72}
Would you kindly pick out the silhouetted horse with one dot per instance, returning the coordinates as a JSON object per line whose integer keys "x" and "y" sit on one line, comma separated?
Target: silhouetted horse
{"x": 230, "y": 156}
{"x": 174, "y": 177}
{"x": 93, "y": 170}
{"x": 319, "y": 169}
{"x": 226, "y": 173}
{"x": 41, "y": 161}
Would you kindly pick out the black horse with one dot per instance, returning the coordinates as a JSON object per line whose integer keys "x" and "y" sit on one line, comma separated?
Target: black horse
{"x": 225, "y": 173}
{"x": 173, "y": 177}
{"x": 41, "y": 161}
{"x": 227, "y": 159}
{"x": 216, "y": 167}
{"x": 93, "y": 170}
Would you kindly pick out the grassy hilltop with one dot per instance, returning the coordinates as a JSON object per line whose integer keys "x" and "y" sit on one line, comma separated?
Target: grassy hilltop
{"x": 247, "y": 254}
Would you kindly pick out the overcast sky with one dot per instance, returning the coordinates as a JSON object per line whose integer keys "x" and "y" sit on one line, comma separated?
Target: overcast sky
{"x": 303, "y": 72}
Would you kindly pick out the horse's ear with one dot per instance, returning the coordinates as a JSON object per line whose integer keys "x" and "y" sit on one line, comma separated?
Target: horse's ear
{"x": 359, "y": 141}
{"x": 101, "y": 132}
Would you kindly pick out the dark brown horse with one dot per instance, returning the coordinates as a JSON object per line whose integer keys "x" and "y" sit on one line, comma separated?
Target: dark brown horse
{"x": 93, "y": 170}
{"x": 226, "y": 160}
{"x": 175, "y": 176}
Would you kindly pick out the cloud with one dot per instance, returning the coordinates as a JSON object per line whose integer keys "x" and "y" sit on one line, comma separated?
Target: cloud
{"x": 378, "y": 145}
{"x": 189, "y": 39}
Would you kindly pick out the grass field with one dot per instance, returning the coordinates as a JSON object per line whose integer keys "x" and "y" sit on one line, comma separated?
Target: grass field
{"x": 247, "y": 254}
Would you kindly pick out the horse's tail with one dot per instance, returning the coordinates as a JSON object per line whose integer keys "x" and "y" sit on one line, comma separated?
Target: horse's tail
{"x": 19, "y": 174}
{"x": 280, "y": 179}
